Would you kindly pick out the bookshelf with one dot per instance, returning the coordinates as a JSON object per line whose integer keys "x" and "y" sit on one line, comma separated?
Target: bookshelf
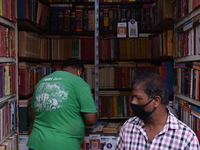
{"x": 129, "y": 56}
{"x": 107, "y": 52}
{"x": 9, "y": 79}
{"x": 186, "y": 58}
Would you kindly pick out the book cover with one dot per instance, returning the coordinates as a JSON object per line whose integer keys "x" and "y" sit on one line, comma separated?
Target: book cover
{"x": 78, "y": 19}
{"x": 85, "y": 20}
{"x": 21, "y": 6}
{"x": 91, "y": 20}
{"x": 110, "y": 19}
{"x": 72, "y": 20}
{"x": 105, "y": 19}
{"x": 53, "y": 19}
{"x": 60, "y": 19}
{"x": 24, "y": 118}
{"x": 101, "y": 21}
{"x": 94, "y": 144}
{"x": 39, "y": 12}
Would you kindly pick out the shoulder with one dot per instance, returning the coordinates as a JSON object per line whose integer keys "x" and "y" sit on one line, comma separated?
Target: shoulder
{"x": 132, "y": 122}
{"x": 180, "y": 127}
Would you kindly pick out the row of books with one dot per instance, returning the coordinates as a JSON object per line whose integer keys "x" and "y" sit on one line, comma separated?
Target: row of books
{"x": 64, "y": 17}
{"x": 119, "y": 76}
{"x": 110, "y": 47}
{"x": 29, "y": 74}
{"x": 8, "y": 119}
{"x": 115, "y": 106}
{"x": 93, "y": 1}
{"x": 70, "y": 20}
{"x": 104, "y": 127}
{"x": 160, "y": 10}
{"x": 7, "y": 44}
{"x": 11, "y": 143}
{"x": 7, "y": 9}
{"x": 7, "y": 79}
{"x": 188, "y": 77}
{"x": 34, "y": 11}
{"x": 33, "y": 45}
{"x": 190, "y": 115}
{"x": 186, "y": 40}
{"x": 182, "y": 8}
{"x": 161, "y": 44}
{"x": 109, "y": 17}
{"x": 82, "y": 18}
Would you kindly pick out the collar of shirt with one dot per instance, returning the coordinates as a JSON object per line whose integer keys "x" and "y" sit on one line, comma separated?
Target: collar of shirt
{"x": 172, "y": 123}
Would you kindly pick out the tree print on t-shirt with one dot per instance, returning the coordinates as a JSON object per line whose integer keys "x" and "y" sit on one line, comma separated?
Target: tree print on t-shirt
{"x": 49, "y": 97}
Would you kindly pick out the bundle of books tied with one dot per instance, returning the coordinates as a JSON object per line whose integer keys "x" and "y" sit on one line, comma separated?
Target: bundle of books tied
{"x": 108, "y": 127}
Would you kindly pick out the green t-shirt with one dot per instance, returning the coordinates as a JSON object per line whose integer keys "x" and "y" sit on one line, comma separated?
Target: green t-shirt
{"x": 58, "y": 100}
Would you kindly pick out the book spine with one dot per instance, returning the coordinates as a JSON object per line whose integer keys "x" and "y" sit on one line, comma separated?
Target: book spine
{"x": 60, "y": 20}
{"x": 79, "y": 19}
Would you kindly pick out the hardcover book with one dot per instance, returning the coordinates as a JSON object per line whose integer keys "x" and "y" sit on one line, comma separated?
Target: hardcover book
{"x": 111, "y": 127}
{"x": 79, "y": 19}
{"x": 66, "y": 19}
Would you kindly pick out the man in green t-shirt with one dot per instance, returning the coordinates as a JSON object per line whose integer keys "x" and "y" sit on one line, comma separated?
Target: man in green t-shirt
{"x": 63, "y": 104}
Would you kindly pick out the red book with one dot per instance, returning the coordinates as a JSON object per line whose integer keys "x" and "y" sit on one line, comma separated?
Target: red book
{"x": 22, "y": 86}
{"x": 43, "y": 18}
{"x": 185, "y": 34}
{"x": 92, "y": 51}
{"x": 78, "y": 19}
{"x": 3, "y": 41}
{"x": 87, "y": 46}
{"x": 12, "y": 43}
{"x": 13, "y": 17}
{"x": 195, "y": 3}
{"x": 66, "y": 20}
{"x": 103, "y": 106}
{"x": 108, "y": 49}
{"x": 7, "y": 9}
{"x": 26, "y": 10}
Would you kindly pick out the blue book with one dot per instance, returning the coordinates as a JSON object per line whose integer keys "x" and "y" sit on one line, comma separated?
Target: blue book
{"x": 169, "y": 76}
{"x": 53, "y": 20}
{"x": 21, "y": 9}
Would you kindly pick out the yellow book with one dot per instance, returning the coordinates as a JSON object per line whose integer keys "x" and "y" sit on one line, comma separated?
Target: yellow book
{"x": 115, "y": 106}
{"x": 2, "y": 147}
{"x": 7, "y": 79}
{"x": 169, "y": 42}
{"x": 105, "y": 17}
{"x": 1, "y": 7}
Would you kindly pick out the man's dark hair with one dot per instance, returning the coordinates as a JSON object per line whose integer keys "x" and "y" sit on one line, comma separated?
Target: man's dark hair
{"x": 74, "y": 63}
{"x": 153, "y": 85}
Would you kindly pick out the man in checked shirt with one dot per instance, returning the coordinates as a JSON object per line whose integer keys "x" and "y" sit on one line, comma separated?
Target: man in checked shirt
{"x": 154, "y": 127}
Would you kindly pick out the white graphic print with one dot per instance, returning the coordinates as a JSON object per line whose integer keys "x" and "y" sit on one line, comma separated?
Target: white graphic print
{"x": 50, "y": 98}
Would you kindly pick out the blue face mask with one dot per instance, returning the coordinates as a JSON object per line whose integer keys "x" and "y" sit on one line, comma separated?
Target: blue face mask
{"x": 140, "y": 112}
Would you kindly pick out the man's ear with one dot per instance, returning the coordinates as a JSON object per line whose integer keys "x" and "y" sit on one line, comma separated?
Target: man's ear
{"x": 157, "y": 101}
{"x": 79, "y": 73}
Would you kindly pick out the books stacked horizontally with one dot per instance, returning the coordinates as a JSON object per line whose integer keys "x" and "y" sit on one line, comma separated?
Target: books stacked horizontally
{"x": 111, "y": 127}
{"x": 94, "y": 128}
